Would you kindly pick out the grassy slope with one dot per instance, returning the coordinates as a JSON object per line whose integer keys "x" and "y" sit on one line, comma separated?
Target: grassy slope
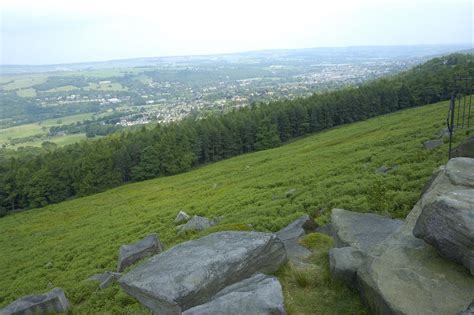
{"x": 330, "y": 169}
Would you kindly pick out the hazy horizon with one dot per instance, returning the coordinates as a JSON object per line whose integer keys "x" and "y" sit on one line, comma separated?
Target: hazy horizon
{"x": 55, "y": 32}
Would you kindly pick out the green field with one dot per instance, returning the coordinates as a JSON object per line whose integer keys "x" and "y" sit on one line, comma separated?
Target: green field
{"x": 63, "y": 244}
{"x": 42, "y": 127}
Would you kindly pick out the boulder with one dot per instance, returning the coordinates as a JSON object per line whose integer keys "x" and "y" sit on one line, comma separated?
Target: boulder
{"x": 291, "y": 234}
{"x": 446, "y": 220}
{"x": 131, "y": 253}
{"x": 192, "y": 272}
{"x": 181, "y": 217}
{"x": 54, "y": 301}
{"x": 197, "y": 223}
{"x": 325, "y": 229}
{"x": 405, "y": 275}
{"x": 105, "y": 279}
{"x": 465, "y": 149}
{"x": 432, "y": 144}
{"x": 344, "y": 263}
{"x": 361, "y": 231}
{"x": 259, "y": 295}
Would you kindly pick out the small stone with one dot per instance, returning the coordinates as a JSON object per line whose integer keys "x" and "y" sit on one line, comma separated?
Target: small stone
{"x": 131, "y": 253}
{"x": 197, "y": 223}
{"x": 181, "y": 217}
{"x": 432, "y": 144}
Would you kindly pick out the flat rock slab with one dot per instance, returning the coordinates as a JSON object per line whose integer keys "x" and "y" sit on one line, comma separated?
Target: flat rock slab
{"x": 258, "y": 295}
{"x": 361, "y": 231}
{"x": 54, "y": 301}
{"x": 197, "y": 223}
{"x": 432, "y": 144}
{"x": 131, "y": 253}
{"x": 191, "y": 273}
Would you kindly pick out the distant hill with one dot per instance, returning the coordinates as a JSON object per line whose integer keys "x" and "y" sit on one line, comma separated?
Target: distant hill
{"x": 61, "y": 245}
{"x": 323, "y": 54}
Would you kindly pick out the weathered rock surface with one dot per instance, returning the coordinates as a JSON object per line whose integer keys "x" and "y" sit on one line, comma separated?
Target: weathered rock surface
{"x": 325, "y": 229}
{"x": 181, "y": 217}
{"x": 344, "y": 263}
{"x": 446, "y": 220}
{"x": 54, "y": 301}
{"x": 105, "y": 279}
{"x": 197, "y": 223}
{"x": 292, "y": 232}
{"x": 465, "y": 149}
{"x": 131, "y": 253}
{"x": 432, "y": 144}
{"x": 469, "y": 310}
{"x": 258, "y": 295}
{"x": 361, "y": 231}
{"x": 405, "y": 275}
{"x": 191, "y": 273}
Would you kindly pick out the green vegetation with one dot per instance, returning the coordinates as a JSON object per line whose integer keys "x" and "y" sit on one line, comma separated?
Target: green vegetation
{"x": 63, "y": 244}
{"x": 94, "y": 166}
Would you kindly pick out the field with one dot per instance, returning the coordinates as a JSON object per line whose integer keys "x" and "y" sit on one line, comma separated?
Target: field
{"x": 41, "y": 129}
{"x": 63, "y": 244}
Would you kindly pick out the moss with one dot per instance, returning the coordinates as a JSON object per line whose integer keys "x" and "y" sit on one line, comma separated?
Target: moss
{"x": 317, "y": 241}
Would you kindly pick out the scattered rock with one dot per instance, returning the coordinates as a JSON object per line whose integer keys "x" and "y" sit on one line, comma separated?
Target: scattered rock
{"x": 197, "y": 223}
{"x": 105, "y": 278}
{"x": 362, "y": 231}
{"x": 48, "y": 265}
{"x": 54, "y": 301}
{"x": 181, "y": 217}
{"x": 432, "y": 144}
{"x": 290, "y": 193}
{"x": 344, "y": 263}
{"x": 257, "y": 295}
{"x": 192, "y": 272}
{"x": 447, "y": 213}
{"x": 443, "y": 133}
{"x": 382, "y": 169}
{"x": 131, "y": 253}
{"x": 292, "y": 232}
{"x": 465, "y": 149}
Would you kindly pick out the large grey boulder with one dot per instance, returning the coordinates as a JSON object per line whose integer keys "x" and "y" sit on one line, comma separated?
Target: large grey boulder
{"x": 405, "y": 275}
{"x": 192, "y": 272}
{"x": 465, "y": 149}
{"x": 469, "y": 310}
{"x": 344, "y": 263}
{"x": 197, "y": 223}
{"x": 131, "y": 253}
{"x": 258, "y": 295}
{"x": 54, "y": 301}
{"x": 361, "y": 231}
{"x": 292, "y": 233}
{"x": 446, "y": 220}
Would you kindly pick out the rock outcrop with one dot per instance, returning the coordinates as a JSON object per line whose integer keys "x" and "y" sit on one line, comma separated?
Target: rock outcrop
{"x": 191, "y": 273}
{"x": 197, "y": 223}
{"x": 401, "y": 274}
{"x": 446, "y": 220}
{"x": 54, "y": 301}
{"x": 131, "y": 253}
{"x": 258, "y": 295}
{"x": 344, "y": 263}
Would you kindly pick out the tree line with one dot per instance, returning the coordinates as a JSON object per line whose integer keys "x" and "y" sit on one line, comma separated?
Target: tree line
{"x": 57, "y": 174}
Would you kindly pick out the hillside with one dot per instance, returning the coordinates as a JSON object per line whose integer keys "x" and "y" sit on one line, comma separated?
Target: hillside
{"x": 72, "y": 240}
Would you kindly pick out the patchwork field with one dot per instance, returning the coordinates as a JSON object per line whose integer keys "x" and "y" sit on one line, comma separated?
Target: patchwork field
{"x": 63, "y": 244}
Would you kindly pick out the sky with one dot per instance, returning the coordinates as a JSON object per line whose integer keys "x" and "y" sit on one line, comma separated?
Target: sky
{"x": 66, "y": 31}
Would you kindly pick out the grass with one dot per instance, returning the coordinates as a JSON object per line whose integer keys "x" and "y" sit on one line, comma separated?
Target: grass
{"x": 42, "y": 128}
{"x": 105, "y": 87}
{"x": 63, "y": 244}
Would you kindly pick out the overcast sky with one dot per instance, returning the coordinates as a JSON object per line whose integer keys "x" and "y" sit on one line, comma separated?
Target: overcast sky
{"x": 62, "y": 31}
